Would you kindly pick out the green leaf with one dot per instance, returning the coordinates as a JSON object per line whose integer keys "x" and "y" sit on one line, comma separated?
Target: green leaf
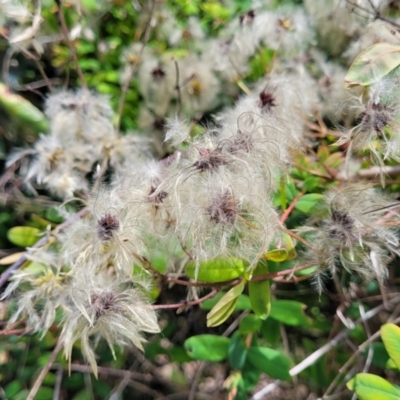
{"x": 372, "y": 387}
{"x": 390, "y": 364}
{"x": 271, "y": 362}
{"x": 215, "y": 10}
{"x": 391, "y": 338}
{"x": 44, "y": 393}
{"x": 53, "y": 215}
{"x": 308, "y": 202}
{"x": 289, "y": 246}
{"x": 372, "y": 64}
{"x": 12, "y": 389}
{"x": 23, "y": 236}
{"x": 251, "y": 376}
{"x": 271, "y": 331}
{"x": 242, "y": 304}
{"x": 225, "y": 306}
{"x": 23, "y": 111}
{"x": 22, "y": 395}
{"x": 380, "y": 356}
{"x": 249, "y": 324}
{"x": 289, "y": 312}
{"x": 217, "y": 270}
{"x": 259, "y": 64}
{"x": 307, "y": 271}
{"x": 259, "y": 292}
{"x": 207, "y": 347}
{"x": 277, "y": 255}
{"x": 237, "y": 352}
{"x": 312, "y": 182}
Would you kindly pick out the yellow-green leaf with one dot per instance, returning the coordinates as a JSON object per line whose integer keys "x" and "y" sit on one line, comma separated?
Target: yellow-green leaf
{"x": 217, "y": 270}
{"x": 373, "y": 387}
{"x": 259, "y": 292}
{"x": 23, "y": 236}
{"x": 391, "y": 339}
{"x": 277, "y": 255}
{"x": 225, "y": 306}
{"x": 23, "y": 110}
{"x": 290, "y": 247}
{"x": 372, "y": 64}
{"x": 390, "y": 364}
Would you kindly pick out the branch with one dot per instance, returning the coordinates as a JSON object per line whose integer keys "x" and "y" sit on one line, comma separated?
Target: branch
{"x": 287, "y": 212}
{"x": 127, "y": 82}
{"x": 65, "y": 32}
{"x": 374, "y": 13}
{"x": 45, "y": 370}
{"x": 186, "y": 303}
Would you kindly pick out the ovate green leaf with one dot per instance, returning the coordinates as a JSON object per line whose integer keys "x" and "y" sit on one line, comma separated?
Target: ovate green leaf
{"x": 373, "y": 387}
{"x": 22, "y": 110}
{"x": 249, "y": 324}
{"x": 23, "y": 236}
{"x": 270, "y": 361}
{"x": 391, "y": 338}
{"x": 207, "y": 347}
{"x": 237, "y": 352}
{"x": 259, "y": 292}
{"x": 289, "y": 312}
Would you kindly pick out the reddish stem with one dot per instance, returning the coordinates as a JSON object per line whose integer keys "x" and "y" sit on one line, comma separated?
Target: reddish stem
{"x": 187, "y": 303}
{"x": 287, "y": 212}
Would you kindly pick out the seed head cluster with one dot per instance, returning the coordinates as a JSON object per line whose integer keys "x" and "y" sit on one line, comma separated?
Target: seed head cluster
{"x": 198, "y": 186}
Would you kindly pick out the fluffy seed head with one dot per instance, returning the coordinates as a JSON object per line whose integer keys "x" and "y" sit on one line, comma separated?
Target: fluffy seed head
{"x": 224, "y": 208}
{"x": 106, "y": 225}
{"x": 210, "y": 160}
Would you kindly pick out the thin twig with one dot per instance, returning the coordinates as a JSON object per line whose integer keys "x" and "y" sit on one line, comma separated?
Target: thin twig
{"x": 283, "y": 272}
{"x": 186, "y": 303}
{"x": 178, "y": 88}
{"x": 127, "y": 82}
{"x": 287, "y": 212}
{"x": 65, "y": 32}
{"x": 45, "y": 370}
{"x": 57, "y": 386}
{"x": 8, "y": 332}
{"x": 375, "y": 13}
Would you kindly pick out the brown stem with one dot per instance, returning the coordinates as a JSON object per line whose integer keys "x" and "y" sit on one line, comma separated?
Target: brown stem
{"x": 127, "y": 82}
{"x": 65, "y": 32}
{"x": 282, "y": 273}
{"x": 287, "y": 212}
{"x": 44, "y": 371}
{"x": 8, "y": 332}
{"x": 187, "y": 303}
